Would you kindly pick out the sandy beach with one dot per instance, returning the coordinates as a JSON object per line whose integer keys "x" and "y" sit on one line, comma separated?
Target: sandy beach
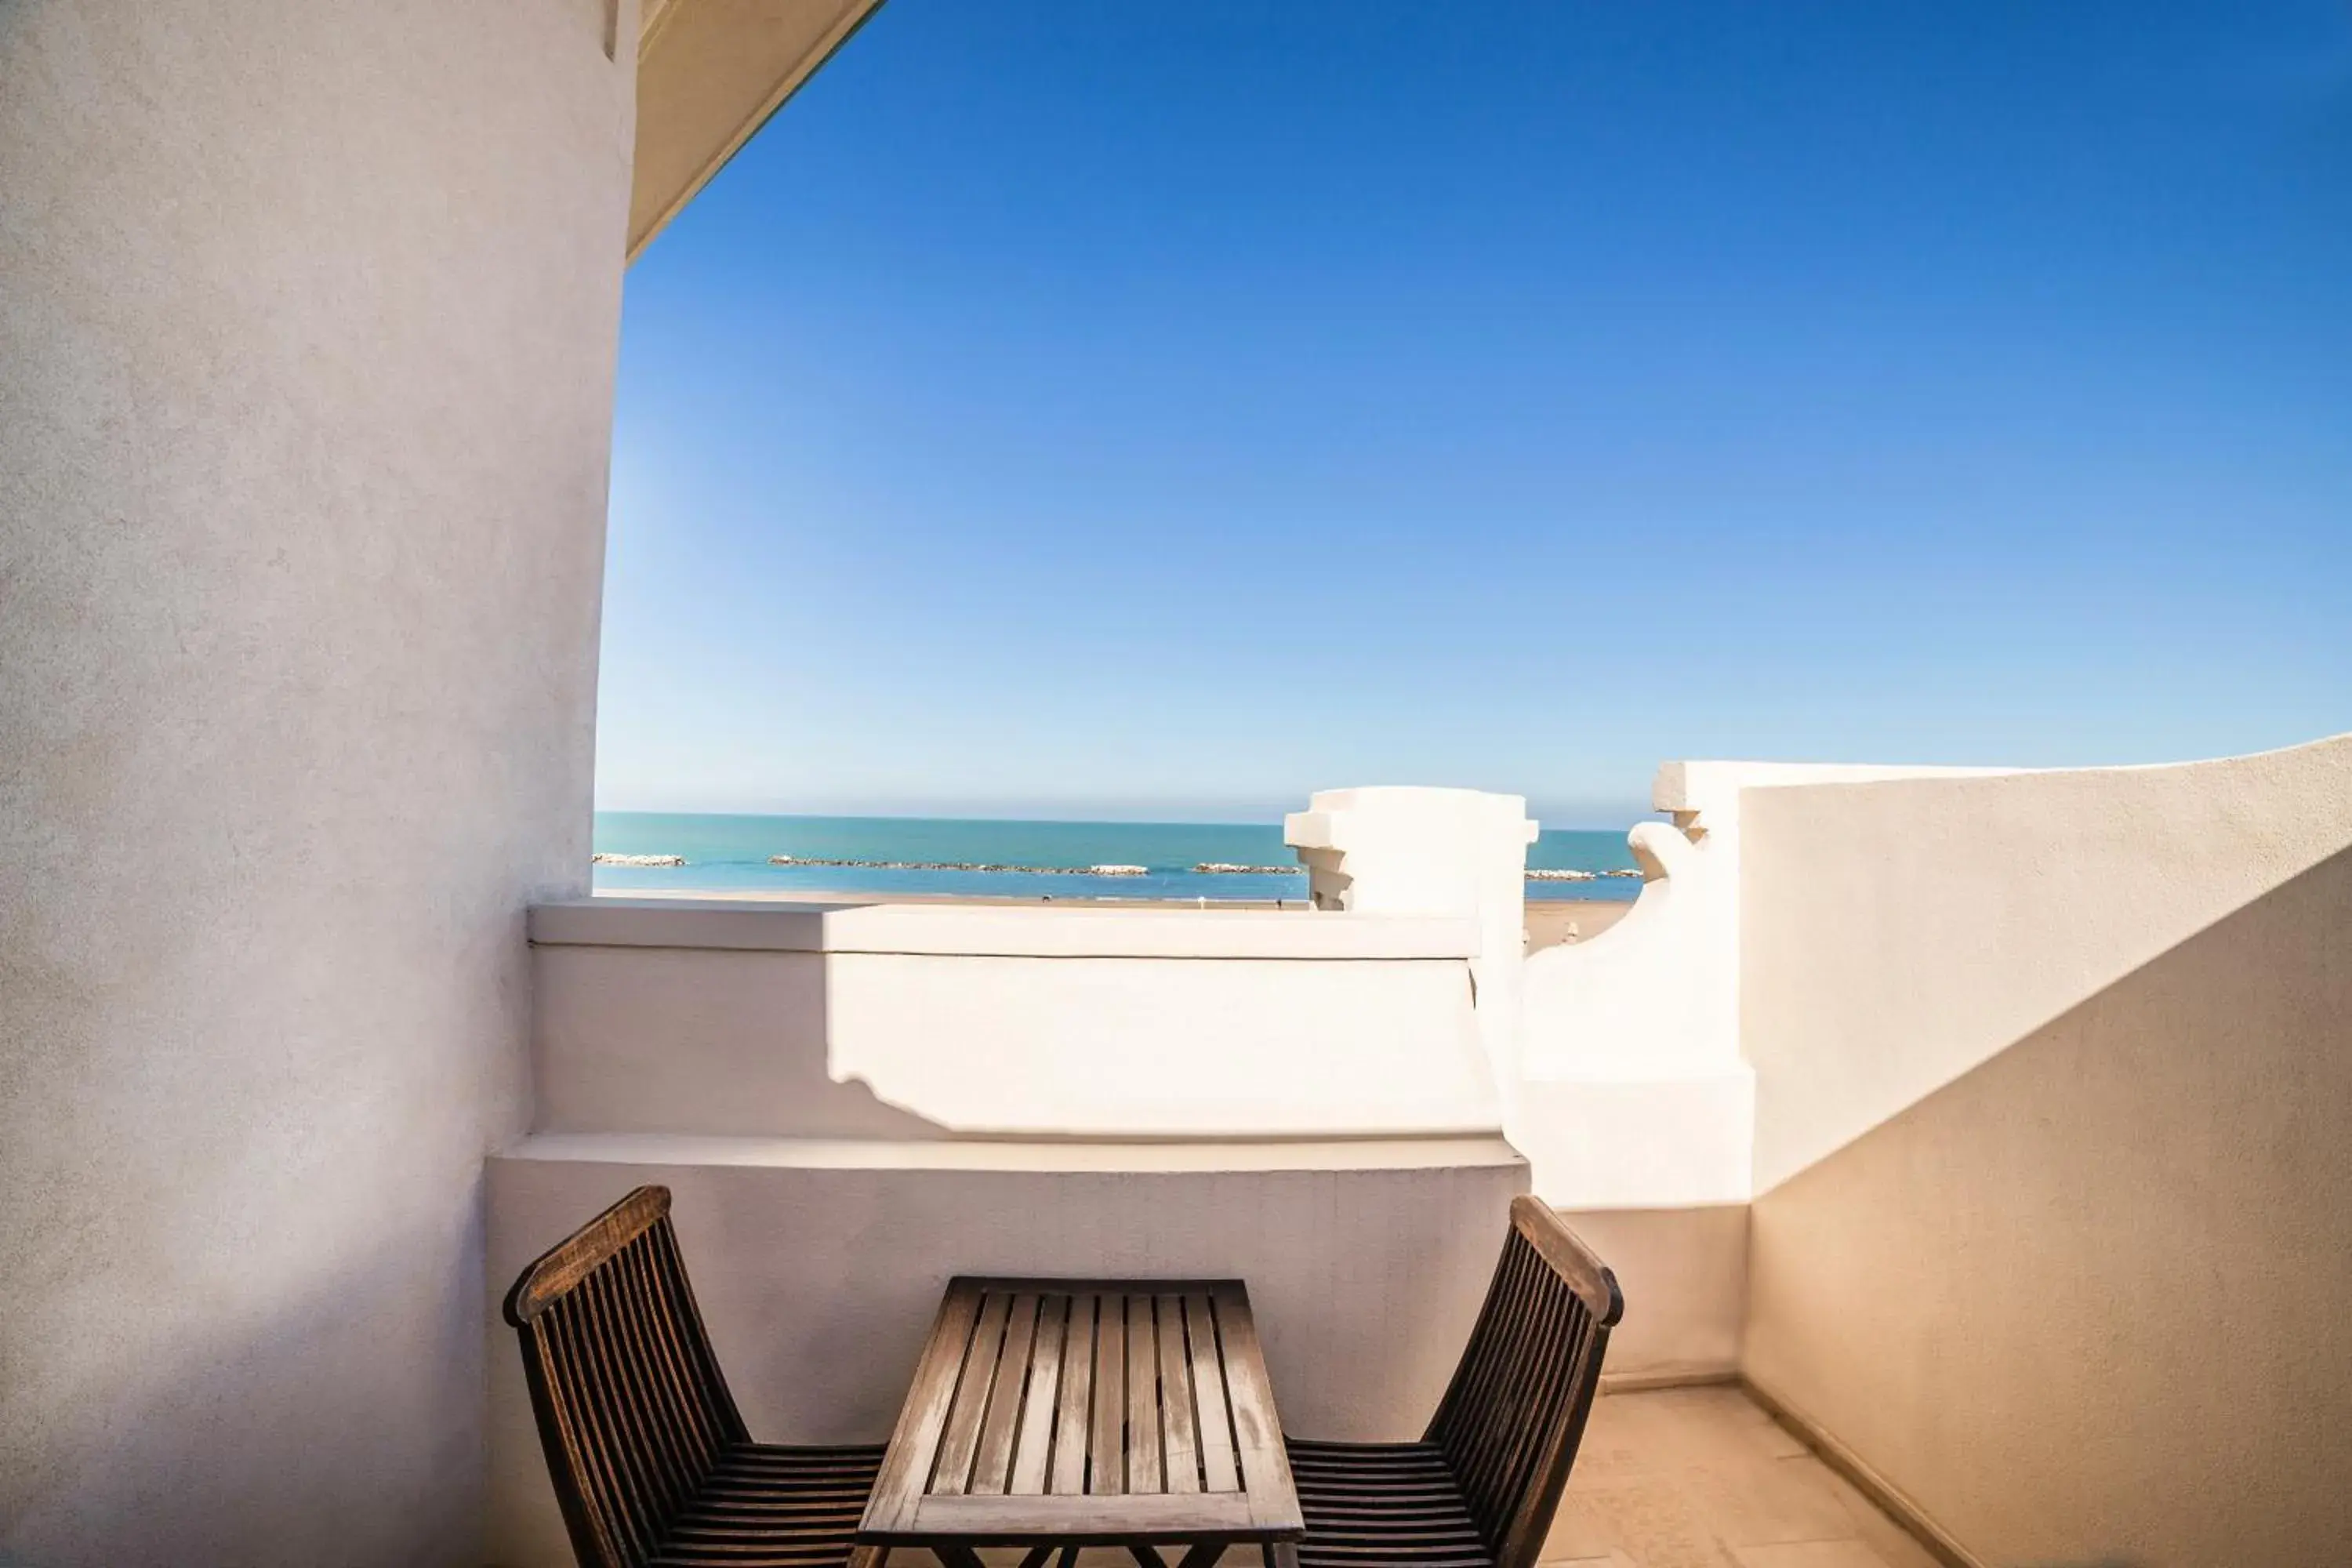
{"x": 1553, "y": 921}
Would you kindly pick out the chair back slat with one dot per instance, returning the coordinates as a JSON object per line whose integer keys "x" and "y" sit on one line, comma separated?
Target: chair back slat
{"x": 632, "y": 1408}
{"x": 1511, "y": 1420}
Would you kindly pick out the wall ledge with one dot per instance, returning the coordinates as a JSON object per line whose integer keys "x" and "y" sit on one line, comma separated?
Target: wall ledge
{"x": 1203, "y": 1155}
{"x": 991, "y": 931}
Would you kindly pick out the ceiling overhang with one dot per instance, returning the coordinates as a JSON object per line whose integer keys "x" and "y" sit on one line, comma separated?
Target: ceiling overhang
{"x": 709, "y": 72}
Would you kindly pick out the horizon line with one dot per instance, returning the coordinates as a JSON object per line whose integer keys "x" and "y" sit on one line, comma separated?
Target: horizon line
{"x": 1588, "y": 818}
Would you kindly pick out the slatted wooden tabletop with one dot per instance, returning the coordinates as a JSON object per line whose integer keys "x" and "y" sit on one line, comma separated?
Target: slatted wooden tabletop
{"x": 1065, "y": 1412}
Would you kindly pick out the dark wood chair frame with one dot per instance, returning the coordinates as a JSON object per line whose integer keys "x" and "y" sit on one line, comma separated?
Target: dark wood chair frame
{"x": 651, "y": 1461}
{"x": 1480, "y": 1488}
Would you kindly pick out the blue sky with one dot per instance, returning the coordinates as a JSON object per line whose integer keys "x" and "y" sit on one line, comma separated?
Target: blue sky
{"x": 1071, "y": 409}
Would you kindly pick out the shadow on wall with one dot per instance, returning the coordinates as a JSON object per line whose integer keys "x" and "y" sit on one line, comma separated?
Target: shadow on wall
{"x": 743, "y": 1047}
{"x": 1894, "y": 935}
{"x": 2085, "y": 1303}
{"x": 899, "y": 1023}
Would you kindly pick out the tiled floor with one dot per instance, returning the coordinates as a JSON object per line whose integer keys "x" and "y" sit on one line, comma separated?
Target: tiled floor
{"x": 1701, "y": 1477}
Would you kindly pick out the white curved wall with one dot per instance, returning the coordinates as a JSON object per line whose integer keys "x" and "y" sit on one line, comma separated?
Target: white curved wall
{"x": 1633, "y": 1090}
{"x": 1640, "y": 999}
{"x": 1633, "y": 1094}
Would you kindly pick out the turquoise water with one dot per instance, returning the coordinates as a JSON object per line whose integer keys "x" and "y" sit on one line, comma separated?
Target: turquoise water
{"x": 1023, "y": 859}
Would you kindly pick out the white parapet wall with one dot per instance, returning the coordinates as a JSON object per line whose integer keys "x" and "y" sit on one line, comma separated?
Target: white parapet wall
{"x": 912, "y": 1021}
{"x": 1633, "y": 1100}
{"x": 852, "y": 1104}
{"x": 1621, "y": 1076}
{"x": 1633, "y": 1091}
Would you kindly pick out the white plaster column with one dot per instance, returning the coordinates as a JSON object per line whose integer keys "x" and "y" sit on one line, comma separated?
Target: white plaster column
{"x": 1404, "y": 850}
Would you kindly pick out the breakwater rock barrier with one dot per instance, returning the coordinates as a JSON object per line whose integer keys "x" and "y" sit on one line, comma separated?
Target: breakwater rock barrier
{"x": 962, "y": 866}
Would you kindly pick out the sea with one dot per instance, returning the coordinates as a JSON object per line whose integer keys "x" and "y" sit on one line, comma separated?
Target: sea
{"x": 1168, "y": 862}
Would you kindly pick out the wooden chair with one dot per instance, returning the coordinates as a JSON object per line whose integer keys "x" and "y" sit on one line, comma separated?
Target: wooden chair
{"x": 650, "y": 1461}
{"x": 1480, "y": 1488}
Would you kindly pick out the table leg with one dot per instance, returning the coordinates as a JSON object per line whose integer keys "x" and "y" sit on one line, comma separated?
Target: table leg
{"x": 868, "y": 1557}
{"x": 1200, "y": 1554}
{"x": 957, "y": 1556}
{"x": 1282, "y": 1554}
{"x": 1036, "y": 1555}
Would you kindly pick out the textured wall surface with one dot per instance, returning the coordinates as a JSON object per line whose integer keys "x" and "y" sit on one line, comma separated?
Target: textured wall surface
{"x": 1896, "y": 934}
{"x": 2058, "y": 1067}
{"x": 307, "y": 312}
{"x": 1684, "y": 1275}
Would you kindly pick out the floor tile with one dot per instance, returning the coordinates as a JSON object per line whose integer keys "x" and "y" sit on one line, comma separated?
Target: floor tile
{"x": 1811, "y": 1554}
{"x": 1882, "y": 1534}
{"x": 1703, "y": 1478}
{"x": 1767, "y": 1502}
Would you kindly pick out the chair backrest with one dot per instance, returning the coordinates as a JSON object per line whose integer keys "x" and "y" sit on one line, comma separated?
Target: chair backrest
{"x": 1512, "y": 1417}
{"x": 632, "y": 1408}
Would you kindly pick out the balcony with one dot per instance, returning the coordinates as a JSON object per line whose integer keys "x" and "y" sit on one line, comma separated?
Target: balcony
{"x": 1970, "y": 1144}
{"x": 1875, "y": 1056}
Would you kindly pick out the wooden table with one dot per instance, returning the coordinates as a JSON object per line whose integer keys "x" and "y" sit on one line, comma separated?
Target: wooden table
{"x": 1055, "y": 1413}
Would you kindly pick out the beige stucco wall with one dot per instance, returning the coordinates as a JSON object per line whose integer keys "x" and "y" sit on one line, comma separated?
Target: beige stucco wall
{"x": 2054, "y": 1224}
{"x": 307, "y": 312}
{"x": 1684, "y": 1275}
